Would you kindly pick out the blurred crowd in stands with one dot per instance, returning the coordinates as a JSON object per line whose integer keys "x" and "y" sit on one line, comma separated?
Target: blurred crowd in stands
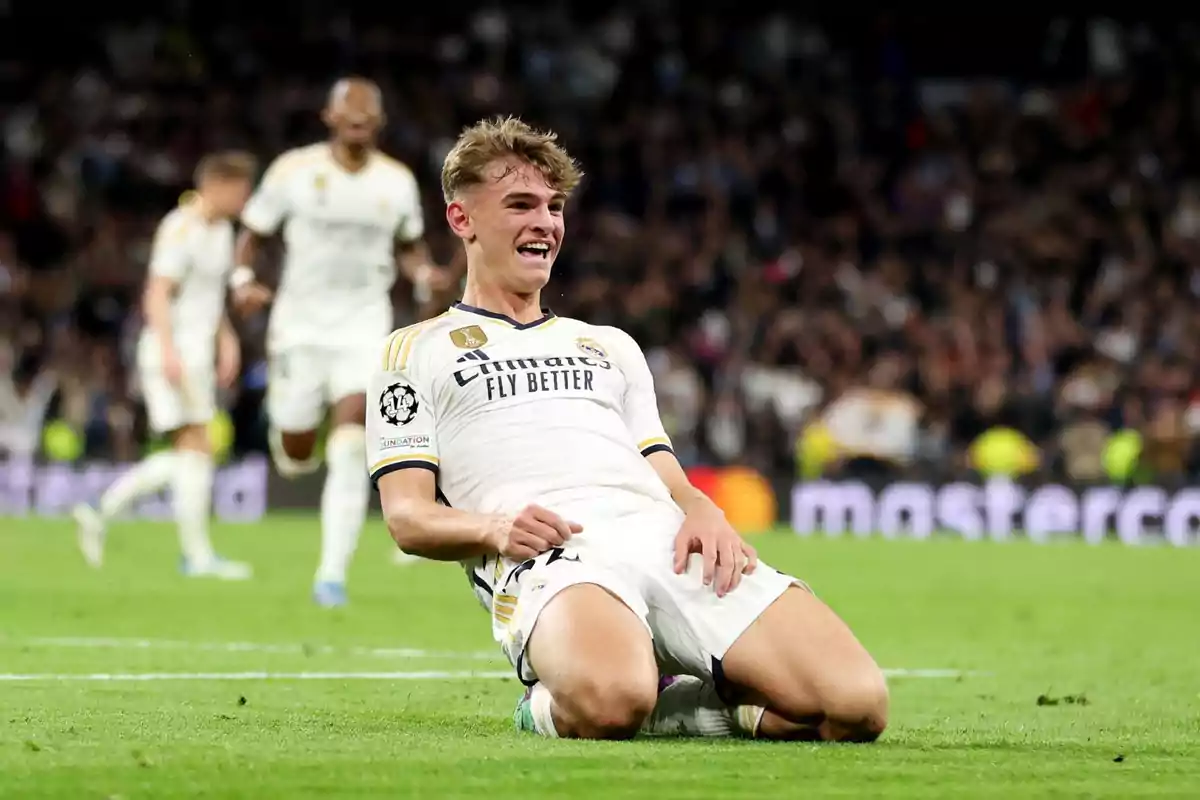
{"x": 844, "y": 244}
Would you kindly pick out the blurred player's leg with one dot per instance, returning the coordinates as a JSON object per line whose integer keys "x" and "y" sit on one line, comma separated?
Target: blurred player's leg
{"x": 595, "y": 662}
{"x": 345, "y": 494}
{"x": 800, "y": 661}
{"x": 181, "y": 411}
{"x": 150, "y": 475}
{"x": 295, "y": 407}
{"x": 347, "y": 487}
{"x": 191, "y": 487}
{"x": 301, "y": 380}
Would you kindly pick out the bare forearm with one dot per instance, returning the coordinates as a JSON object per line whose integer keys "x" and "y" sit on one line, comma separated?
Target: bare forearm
{"x": 245, "y": 252}
{"x": 156, "y": 303}
{"x": 226, "y": 334}
{"x": 689, "y": 499}
{"x": 693, "y": 501}
{"x": 412, "y": 258}
{"x": 440, "y": 533}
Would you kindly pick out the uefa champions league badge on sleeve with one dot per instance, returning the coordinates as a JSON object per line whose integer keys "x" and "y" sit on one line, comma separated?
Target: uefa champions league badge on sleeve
{"x": 398, "y": 404}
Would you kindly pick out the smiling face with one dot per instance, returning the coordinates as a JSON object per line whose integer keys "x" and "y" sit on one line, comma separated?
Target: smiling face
{"x": 514, "y": 221}
{"x": 505, "y": 186}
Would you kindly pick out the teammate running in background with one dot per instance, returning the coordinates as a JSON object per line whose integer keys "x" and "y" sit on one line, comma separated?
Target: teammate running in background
{"x": 187, "y": 349}
{"x": 349, "y": 216}
{"x": 529, "y": 447}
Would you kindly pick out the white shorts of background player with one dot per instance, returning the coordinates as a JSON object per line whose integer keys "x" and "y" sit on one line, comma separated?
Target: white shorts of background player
{"x": 170, "y": 407}
{"x": 304, "y": 381}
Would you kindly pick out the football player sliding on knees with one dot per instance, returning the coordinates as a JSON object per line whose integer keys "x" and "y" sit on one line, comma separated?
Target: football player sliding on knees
{"x": 529, "y": 448}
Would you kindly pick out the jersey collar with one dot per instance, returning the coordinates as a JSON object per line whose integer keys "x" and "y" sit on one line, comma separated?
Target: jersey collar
{"x": 547, "y": 315}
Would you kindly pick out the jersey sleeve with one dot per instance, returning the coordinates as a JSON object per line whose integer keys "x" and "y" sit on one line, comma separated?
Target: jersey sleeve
{"x": 268, "y": 206}
{"x": 640, "y": 403}
{"x": 412, "y": 221}
{"x": 400, "y": 418}
{"x": 169, "y": 254}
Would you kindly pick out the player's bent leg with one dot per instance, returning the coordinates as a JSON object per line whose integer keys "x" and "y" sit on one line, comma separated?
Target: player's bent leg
{"x": 802, "y": 662}
{"x": 296, "y": 407}
{"x": 169, "y": 410}
{"x": 191, "y": 486}
{"x": 150, "y": 475}
{"x": 595, "y": 662}
{"x": 344, "y": 498}
{"x": 293, "y": 451}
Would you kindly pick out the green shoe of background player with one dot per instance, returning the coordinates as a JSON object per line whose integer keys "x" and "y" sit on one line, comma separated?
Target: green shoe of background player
{"x": 523, "y": 713}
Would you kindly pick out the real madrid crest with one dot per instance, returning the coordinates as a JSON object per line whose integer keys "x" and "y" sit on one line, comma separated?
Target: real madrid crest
{"x": 469, "y": 337}
{"x": 319, "y": 182}
{"x": 590, "y": 347}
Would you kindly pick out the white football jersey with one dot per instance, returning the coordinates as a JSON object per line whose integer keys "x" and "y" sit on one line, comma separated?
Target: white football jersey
{"x": 339, "y": 232}
{"x": 556, "y": 412}
{"x": 197, "y": 254}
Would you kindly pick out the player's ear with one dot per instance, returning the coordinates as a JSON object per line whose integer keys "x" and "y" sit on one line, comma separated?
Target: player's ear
{"x": 327, "y": 117}
{"x": 459, "y": 220}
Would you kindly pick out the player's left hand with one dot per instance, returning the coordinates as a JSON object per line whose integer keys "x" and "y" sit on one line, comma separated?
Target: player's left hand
{"x": 229, "y": 361}
{"x": 727, "y": 557}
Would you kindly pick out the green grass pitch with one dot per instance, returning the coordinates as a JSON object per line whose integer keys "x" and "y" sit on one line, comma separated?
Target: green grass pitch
{"x": 419, "y": 704}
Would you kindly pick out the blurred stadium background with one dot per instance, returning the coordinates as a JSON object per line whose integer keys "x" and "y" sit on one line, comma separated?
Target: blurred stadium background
{"x": 893, "y": 273}
{"x": 861, "y": 248}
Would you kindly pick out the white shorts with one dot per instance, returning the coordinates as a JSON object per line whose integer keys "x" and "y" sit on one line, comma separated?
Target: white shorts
{"x": 691, "y": 627}
{"x": 304, "y": 381}
{"x": 170, "y": 407}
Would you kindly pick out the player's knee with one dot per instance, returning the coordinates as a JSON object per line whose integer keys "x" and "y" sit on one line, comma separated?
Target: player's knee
{"x": 350, "y": 410}
{"x": 607, "y": 707}
{"x": 191, "y": 437}
{"x": 856, "y": 706}
{"x": 293, "y": 453}
{"x": 347, "y": 444}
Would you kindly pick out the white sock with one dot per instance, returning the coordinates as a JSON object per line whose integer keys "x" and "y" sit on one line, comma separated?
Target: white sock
{"x": 146, "y": 477}
{"x": 343, "y": 500}
{"x": 192, "y": 489}
{"x": 691, "y": 707}
{"x": 540, "y": 703}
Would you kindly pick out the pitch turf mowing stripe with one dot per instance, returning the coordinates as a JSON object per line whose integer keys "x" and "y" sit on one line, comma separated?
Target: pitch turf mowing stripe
{"x": 282, "y": 648}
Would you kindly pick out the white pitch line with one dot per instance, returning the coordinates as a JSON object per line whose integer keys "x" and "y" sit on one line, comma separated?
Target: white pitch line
{"x": 109, "y": 643}
{"x": 113, "y": 643}
{"x": 428, "y": 675}
{"x": 105, "y": 677}
{"x": 934, "y": 673}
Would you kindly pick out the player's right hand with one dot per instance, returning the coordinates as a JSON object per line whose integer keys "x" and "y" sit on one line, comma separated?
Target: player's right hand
{"x": 532, "y": 532}
{"x": 250, "y": 298}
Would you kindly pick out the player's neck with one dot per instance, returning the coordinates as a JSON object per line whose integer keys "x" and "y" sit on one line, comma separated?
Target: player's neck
{"x": 518, "y": 307}
{"x": 351, "y": 159}
{"x": 204, "y": 208}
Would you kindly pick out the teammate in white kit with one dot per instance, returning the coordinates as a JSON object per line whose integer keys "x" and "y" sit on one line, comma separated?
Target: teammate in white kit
{"x": 529, "y": 447}
{"x": 347, "y": 214}
{"x": 186, "y": 350}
